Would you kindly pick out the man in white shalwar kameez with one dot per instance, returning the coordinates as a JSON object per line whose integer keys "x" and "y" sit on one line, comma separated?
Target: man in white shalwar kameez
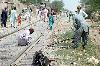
{"x": 45, "y": 14}
{"x": 27, "y": 16}
{"x": 82, "y": 28}
{"x": 13, "y": 17}
{"x": 23, "y": 38}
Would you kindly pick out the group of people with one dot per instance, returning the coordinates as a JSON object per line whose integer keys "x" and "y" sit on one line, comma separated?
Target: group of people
{"x": 4, "y": 17}
{"x": 24, "y": 37}
{"x": 81, "y": 27}
{"x": 14, "y": 17}
{"x": 47, "y": 16}
{"x": 42, "y": 13}
{"x": 80, "y": 24}
{"x": 16, "y": 20}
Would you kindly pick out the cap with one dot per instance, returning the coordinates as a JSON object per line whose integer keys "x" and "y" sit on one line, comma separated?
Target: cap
{"x": 31, "y": 30}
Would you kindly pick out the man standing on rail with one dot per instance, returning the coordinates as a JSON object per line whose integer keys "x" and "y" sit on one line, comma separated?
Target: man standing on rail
{"x": 82, "y": 28}
{"x": 23, "y": 39}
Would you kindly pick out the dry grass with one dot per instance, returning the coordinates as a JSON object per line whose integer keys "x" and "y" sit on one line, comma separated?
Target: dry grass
{"x": 75, "y": 57}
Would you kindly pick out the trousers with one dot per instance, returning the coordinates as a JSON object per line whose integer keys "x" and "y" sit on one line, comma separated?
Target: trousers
{"x": 79, "y": 35}
{"x": 22, "y": 42}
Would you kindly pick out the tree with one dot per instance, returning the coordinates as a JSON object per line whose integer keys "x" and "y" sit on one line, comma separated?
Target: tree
{"x": 26, "y": 1}
{"x": 91, "y": 6}
{"x": 57, "y": 5}
{"x": 31, "y": 1}
{"x": 39, "y": 1}
{"x": 94, "y": 4}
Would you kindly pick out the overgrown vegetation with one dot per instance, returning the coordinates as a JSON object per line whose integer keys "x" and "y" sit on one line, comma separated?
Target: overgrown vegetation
{"x": 57, "y": 5}
{"x": 31, "y": 1}
{"x": 75, "y": 57}
{"x": 92, "y": 7}
{"x": 94, "y": 4}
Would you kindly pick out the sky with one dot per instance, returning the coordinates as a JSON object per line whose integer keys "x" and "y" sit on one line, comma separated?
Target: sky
{"x": 70, "y": 4}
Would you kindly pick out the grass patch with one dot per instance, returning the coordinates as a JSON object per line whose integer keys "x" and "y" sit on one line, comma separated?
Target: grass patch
{"x": 64, "y": 39}
{"x": 76, "y": 57}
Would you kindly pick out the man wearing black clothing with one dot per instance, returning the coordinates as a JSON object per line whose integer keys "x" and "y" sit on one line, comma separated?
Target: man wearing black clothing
{"x": 4, "y": 17}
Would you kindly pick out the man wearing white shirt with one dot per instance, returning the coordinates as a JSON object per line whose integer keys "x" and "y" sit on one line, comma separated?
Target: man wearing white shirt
{"x": 13, "y": 17}
{"x": 45, "y": 14}
{"x": 23, "y": 38}
{"x": 82, "y": 28}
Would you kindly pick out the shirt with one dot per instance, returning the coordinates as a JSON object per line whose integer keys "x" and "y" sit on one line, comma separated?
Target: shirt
{"x": 51, "y": 19}
{"x": 4, "y": 15}
{"x": 13, "y": 15}
{"x": 19, "y": 18}
{"x": 81, "y": 19}
{"x": 25, "y": 35}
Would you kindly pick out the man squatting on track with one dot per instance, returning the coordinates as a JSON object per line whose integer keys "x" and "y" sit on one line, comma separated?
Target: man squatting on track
{"x": 23, "y": 39}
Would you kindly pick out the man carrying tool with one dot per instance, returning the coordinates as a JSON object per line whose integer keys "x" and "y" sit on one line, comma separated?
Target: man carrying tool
{"x": 82, "y": 28}
{"x": 23, "y": 39}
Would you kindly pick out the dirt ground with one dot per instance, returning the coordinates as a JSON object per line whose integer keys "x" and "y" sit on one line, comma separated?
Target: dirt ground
{"x": 94, "y": 32}
{"x": 66, "y": 56}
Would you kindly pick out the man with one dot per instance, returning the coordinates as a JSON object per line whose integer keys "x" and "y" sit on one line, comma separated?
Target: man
{"x": 54, "y": 14}
{"x": 23, "y": 39}
{"x": 4, "y": 17}
{"x": 82, "y": 28}
{"x": 13, "y": 17}
{"x": 37, "y": 12}
{"x": 45, "y": 14}
{"x": 28, "y": 16}
{"x": 70, "y": 14}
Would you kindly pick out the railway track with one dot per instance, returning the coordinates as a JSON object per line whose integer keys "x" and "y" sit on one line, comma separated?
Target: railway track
{"x": 10, "y": 51}
{"x": 25, "y": 51}
{"x": 18, "y": 54}
{"x": 26, "y": 57}
{"x": 17, "y": 30}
